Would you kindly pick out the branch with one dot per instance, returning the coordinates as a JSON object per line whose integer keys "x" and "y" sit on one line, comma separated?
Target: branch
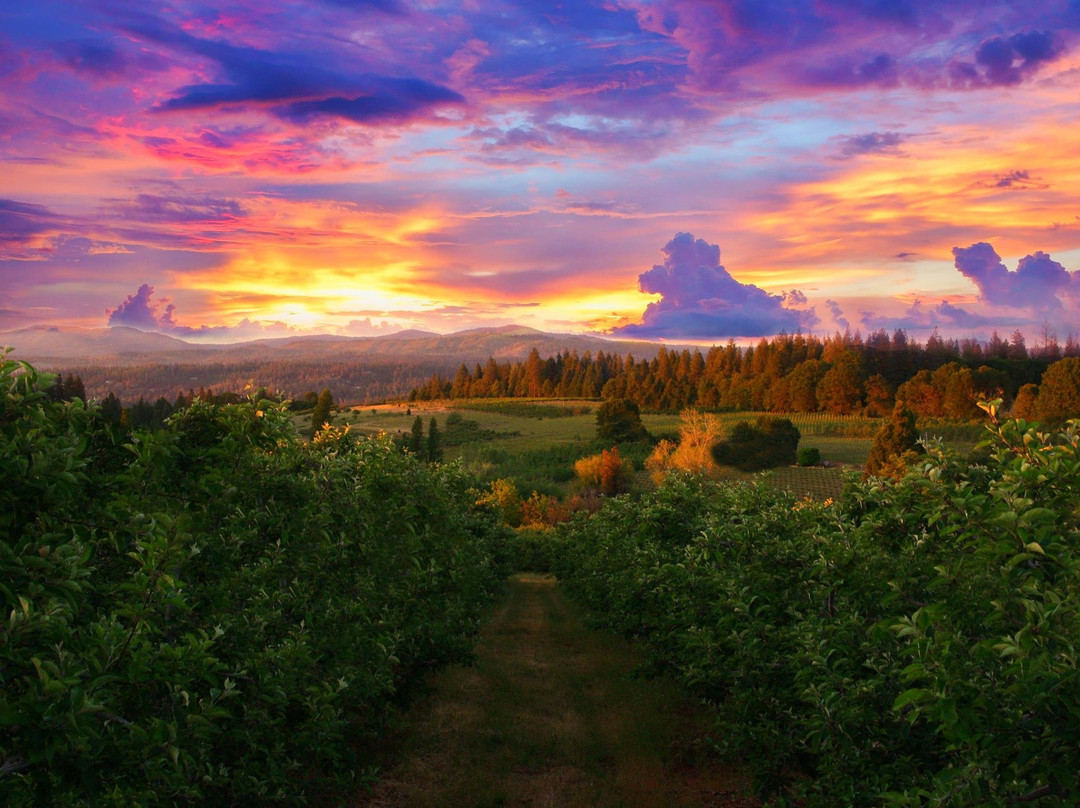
{"x": 1037, "y": 794}
{"x": 12, "y": 765}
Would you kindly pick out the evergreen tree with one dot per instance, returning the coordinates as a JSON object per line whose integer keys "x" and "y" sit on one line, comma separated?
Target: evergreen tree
{"x": 1024, "y": 404}
{"x": 434, "y": 442}
{"x": 619, "y": 420}
{"x": 415, "y": 443}
{"x": 56, "y": 391}
{"x": 895, "y": 445}
{"x": 162, "y": 410}
{"x": 767, "y": 443}
{"x": 74, "y": 388}
{"x": 320, "y": 416}
{"x": 112, "y": 411}
{"x": 141, "y": 414}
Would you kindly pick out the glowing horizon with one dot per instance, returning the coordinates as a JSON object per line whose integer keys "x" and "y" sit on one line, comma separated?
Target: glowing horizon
{"x": 359, "y": 167}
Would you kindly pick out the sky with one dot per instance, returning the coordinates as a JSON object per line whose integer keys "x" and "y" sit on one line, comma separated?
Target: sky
{"x": 682, "y": 170}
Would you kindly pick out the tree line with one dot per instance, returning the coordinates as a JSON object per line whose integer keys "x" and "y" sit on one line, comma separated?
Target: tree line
{"x": 845, "y": 374}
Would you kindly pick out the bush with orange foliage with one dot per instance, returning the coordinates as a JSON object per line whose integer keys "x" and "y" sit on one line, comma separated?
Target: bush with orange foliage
{"x": 606, "y": 471}
{"x": 698, "y": 433}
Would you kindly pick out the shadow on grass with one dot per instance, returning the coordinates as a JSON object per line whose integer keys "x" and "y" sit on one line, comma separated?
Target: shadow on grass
{"x": 551, "y": 715}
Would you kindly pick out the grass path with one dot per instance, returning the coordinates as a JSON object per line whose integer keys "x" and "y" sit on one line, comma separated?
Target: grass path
{"x": 550, "y": 716}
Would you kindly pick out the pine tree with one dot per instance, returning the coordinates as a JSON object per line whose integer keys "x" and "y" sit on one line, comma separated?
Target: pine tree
{"x": 320, "y": 416}
{"x": 434, "y": 442}
{"x": 74, "y": 388}
{"x": 895, "y": 445}
{"x": 415, "y": 443}
{"x": 112, "y": 411}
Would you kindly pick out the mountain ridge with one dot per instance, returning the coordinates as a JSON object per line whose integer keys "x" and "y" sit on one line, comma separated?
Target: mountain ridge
{"x": 133, "y": 363}
{"x": 124, "y": 344}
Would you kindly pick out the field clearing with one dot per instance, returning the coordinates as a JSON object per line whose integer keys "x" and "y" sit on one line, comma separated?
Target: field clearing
{"x": 536, "y": 441}
{"x": 814, "y": 483}
{"x": 843, "y": 451}
{"x": 515, "y": 431}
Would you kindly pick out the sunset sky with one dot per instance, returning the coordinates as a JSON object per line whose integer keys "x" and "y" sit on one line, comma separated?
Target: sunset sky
{"x": 673, "y": 169}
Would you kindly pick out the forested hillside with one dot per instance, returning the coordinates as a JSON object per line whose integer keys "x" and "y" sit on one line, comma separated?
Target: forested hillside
{"x": 216, "y": 613}
{"x": 132, "y": 364}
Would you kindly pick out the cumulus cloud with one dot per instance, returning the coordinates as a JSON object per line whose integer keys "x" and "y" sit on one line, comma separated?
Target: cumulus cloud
{"x": 1039, "y": 282}
{"x": 837, "y": 314}
{"x": 368, "y": 328}
{"x": 140, "y": 310}
{"x": 700, "y": 299}
{"x": 945, "y": 315}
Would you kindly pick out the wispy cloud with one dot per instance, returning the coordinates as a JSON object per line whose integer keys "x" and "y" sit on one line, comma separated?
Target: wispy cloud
{"x": 348, "y": 155}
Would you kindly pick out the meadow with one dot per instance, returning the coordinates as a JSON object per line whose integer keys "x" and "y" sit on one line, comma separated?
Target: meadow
{"x": 535, "y": 442}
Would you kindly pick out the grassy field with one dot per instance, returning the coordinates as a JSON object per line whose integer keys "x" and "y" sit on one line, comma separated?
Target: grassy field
{"x": 536, "y": 441}
{"x": 552, "y": 715}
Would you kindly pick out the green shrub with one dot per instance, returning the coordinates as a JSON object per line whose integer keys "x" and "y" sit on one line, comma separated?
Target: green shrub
{"x": 914, "y": 645}
{"x": 767, "y": 443}
{"x": 216, "y": 613}
{"x": 808, "y": 456}
{"x": 530, "y": 550}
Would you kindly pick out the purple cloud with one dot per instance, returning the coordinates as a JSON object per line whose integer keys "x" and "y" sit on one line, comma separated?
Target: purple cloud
{"x": 837, "y": 314}
{"x": 295, "y": 87}
{"x": 94, "y": 57}
{"x": 386, "y": 100}
{"x": 1039, "y": 282}
{"x": 871, "y": 143}
{"x": 739, "y": 47}
{"x": 1016, "y": 180}
{"x": 19, "y": 221}
{"x": 700, "y": 300}
{"x": 141, "y": 311}
{"x": 187, "y": 209}
{"x": 945, "y": 315}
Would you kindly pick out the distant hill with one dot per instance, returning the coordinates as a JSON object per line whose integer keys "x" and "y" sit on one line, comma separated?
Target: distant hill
{"x": 70, "y": 342}
{"x": 135, "y": 363}
{"x": 123, "y": 344}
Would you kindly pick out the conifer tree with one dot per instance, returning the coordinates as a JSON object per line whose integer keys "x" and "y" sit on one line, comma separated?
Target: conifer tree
{"x": 74, "y": 388}
{"x": 320, "y": 416}
{"x": 619, "y": 420}
{"x": 434, "y": 442}
{"x": 111, "y": 409}
{"x": 415, "y": 443}
{"x": 896, "y": 444}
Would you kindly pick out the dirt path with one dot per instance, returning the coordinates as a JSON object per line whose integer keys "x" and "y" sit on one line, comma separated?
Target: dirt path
{"x": 551, "y": 716}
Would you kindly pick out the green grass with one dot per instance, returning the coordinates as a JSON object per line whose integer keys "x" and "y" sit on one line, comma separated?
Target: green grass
{"x": 815, "y": 482}
{"x": 552, "y": 715}
{"x": 527, "y": 407}
{"x": 536, "y": 441}
{"x": 839, "y": 450}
